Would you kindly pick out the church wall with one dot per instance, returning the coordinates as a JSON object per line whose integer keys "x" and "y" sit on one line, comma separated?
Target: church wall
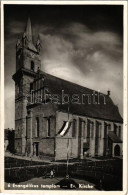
{"x": 62, "y": 142}
{"x": 118, "y": 124}
{"x": 46, "y": 143}
{"x": 26, "y": 85}
{"x": 18, "y": 144}
{"x": 28, "y": 147}
{"x": 61, "y": 148}
{"x": 20, "y": 123}
{"x": 43, "y": 112}
{"x": 46, "y": 147}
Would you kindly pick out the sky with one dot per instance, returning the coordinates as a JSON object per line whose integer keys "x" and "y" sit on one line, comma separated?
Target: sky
{"x": 80, "y": 43}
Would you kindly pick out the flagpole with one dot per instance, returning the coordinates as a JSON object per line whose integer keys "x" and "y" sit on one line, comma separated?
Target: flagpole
{"x": 68, "y": 145}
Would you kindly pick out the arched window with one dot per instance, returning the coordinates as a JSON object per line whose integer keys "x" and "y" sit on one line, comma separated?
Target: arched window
{"x": 32, "y": 65}
{"x": 74, "y": 128}
{"x": 117, "y": 150}
{"x": 37, "y": 127}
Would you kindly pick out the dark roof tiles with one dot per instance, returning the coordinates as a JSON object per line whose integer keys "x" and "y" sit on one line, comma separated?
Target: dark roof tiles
{"x": 107, "y": 111}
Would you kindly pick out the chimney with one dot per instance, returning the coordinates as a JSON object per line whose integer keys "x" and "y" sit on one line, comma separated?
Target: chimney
{"x": 108, "y": 92}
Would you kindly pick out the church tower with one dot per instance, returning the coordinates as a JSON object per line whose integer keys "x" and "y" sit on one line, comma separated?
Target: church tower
{"x": 27, "y": 64}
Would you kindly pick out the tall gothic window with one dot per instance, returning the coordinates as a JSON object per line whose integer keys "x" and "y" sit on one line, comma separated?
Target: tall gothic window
{"x": 74, "y": 128}
{"x": 100, "y": 128}
{"x": 84, "y": 130}
{"x": 88, "y": 129}
{"x": 37, "y": 127}
{"x": 48, "y": 127}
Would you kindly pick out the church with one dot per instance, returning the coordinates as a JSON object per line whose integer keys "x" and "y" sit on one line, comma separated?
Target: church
{"x": 55, "y": 118}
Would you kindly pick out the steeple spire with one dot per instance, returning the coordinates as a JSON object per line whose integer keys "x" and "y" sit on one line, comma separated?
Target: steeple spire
{"x": 29, "y": 30}
{"x": 27, "y": 37}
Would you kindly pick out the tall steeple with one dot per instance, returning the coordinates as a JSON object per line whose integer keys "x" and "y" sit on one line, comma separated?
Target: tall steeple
{"x": 29, "y": 30}
{"x": 27, "y": 37}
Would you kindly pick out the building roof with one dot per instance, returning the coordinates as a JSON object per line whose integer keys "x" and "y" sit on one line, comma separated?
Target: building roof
{"x": 114, "y": 138}
{"x": 107, "y": 111}
{"x": 6, "y": 133}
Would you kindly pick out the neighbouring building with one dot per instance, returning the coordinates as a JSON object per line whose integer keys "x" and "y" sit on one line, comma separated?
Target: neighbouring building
{"x": 9, "y": 140}
{"x": 52, "y": 114}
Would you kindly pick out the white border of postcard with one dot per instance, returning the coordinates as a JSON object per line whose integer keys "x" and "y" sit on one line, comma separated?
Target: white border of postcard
{"x": 125, "y": 98}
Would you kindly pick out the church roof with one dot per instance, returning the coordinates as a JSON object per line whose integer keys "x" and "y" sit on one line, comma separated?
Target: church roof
{"x": 114, "y": 137}
{"x": 107, "y": 111}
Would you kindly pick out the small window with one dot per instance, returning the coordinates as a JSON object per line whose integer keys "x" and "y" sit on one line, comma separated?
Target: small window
{"x": 119, "y": 131}
{"x": 115, "y": 129}
{"x": 74, "y": 128}
{"x": 48, "y": 127}
{"x": 31, "y": 86}
{"x": 32, "y": 65}
{"x": 37, "y": 127}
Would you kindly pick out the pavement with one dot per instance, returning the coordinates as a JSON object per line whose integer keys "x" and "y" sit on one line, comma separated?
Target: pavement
{"x": 36, "y": 159}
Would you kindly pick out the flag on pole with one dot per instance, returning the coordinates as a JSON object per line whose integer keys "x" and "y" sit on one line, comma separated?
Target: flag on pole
{"x": 64, "y": 129}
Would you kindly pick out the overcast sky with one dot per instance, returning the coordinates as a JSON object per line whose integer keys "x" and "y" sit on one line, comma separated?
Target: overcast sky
{"x": 82, "y": 44}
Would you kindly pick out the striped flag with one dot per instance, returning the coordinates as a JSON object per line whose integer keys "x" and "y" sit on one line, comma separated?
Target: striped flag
{"x": 64, "y": 129}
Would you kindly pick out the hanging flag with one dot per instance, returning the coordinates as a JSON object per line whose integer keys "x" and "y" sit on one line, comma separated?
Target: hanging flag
{"x": 65, "y": 128}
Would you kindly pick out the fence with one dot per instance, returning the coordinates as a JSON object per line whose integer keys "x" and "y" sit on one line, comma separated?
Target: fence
{"x": 107, "y": 174}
